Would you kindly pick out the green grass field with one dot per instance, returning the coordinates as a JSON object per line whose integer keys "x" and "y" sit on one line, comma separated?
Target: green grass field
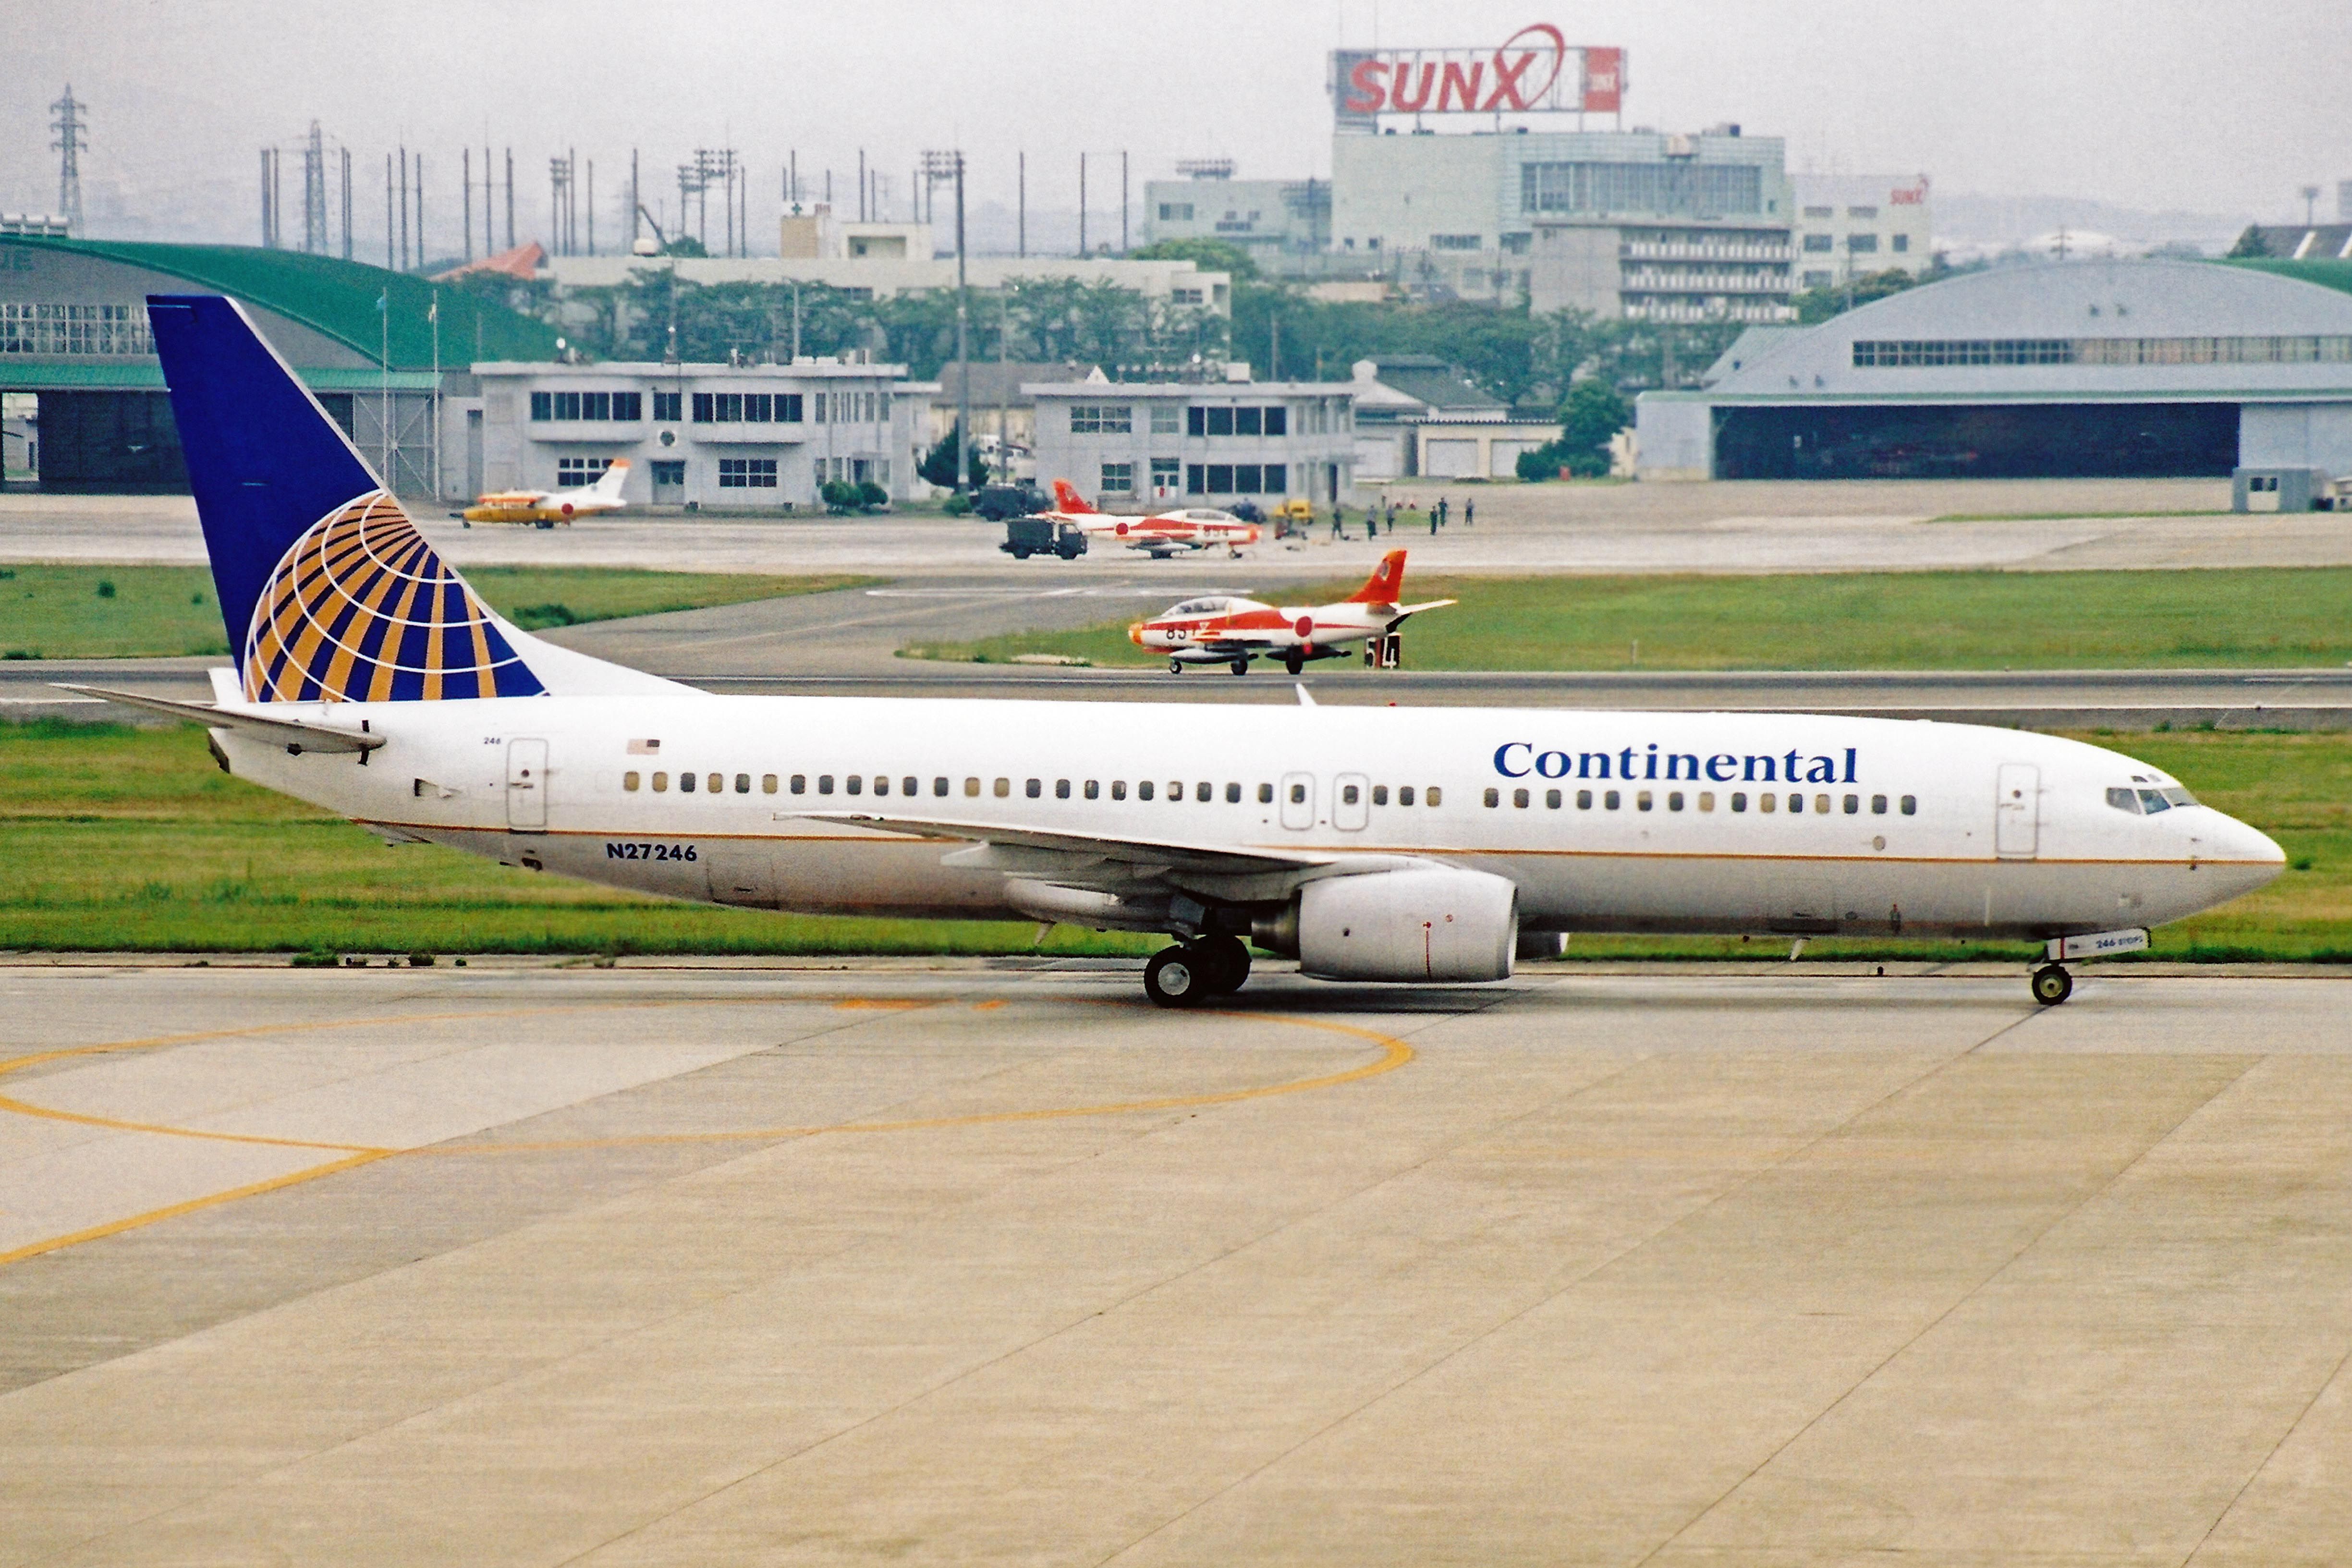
{"x": 132, "y": 612}
{"x": 125, "y": 839}
{"x": 1874, "y": 621}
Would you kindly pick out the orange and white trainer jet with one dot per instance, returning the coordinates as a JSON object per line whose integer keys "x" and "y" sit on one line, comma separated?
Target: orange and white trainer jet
{"x": 1232, "y": 632}
{"x": 548, "y": 507}
{"x": 1162, "y": 535}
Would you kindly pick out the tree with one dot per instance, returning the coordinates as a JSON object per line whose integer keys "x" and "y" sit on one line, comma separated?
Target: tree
{"x": 1208, "y": 254}
{"x": 2251, "y": 245}
{"x": 1816, "y": 305}
{"x": 1590, "y": 414}
{"x": 938, "y": 465}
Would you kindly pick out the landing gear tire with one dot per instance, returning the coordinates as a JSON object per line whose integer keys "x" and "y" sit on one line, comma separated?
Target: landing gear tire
{"x": 1224, "y": 963}
{"x": 2051, "y": 985}
{"x": 1176, "y": 977}
{"x": 1240, "y": 666}
{"x": 1175, "y": 666}
{"x": 1293, "y": 662}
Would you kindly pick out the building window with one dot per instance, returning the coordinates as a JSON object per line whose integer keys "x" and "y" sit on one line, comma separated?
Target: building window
{"x": 1861, "y": 244}
{"x": 1276, "y": 479}
{"x": 665, "y": 406}
{"x": 1175, "y": 212}
{"x": 108, "y": 330}
{"x": 572, "y": 471}
{"x": 1820, "y": 279}
{"x": 1902, "y": 243}
{"x": 1118, "y": 478}
{"x": 1821, "y": 212}
{"x": 670, "y": 472}
{"x": 1101, "y": 419}
{"x": 1821, "y": 242}
{"x": 1278, "y": 421}
{"x": 1249, "y": 421}
{"x": 1453, "y": 242}
{"x": 1221, "y": 478}
{"x": 543, "y": 405}
{"x": 1861, "y": 212}
{"x": 1220, "y": 420}
{"x": 1165, "y": 418}
{"x": 702, "y": 408}
{"x": 1185, "y": 296}
{"x": 1679, "y": 188}
{"x": 1196, "y": 479}
{"x": 1196, "y": 421}
{"x": 1166, "y": 473}
{"x": 747, "y": 472}
{"x": 788, "y": 408}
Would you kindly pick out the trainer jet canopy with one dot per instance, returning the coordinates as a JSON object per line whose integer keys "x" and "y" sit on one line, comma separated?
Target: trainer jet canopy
{"x": 1224, "y": 630}
{"x": 549, "y": 507}
{"x": 1160, "y": 534}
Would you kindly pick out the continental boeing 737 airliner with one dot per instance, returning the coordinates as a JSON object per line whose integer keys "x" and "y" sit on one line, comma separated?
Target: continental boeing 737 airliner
{"x": 1371, "y": 843}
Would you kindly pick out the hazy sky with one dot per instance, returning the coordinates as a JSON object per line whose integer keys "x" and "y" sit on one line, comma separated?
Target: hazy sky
{"x": 2222, "y": 108}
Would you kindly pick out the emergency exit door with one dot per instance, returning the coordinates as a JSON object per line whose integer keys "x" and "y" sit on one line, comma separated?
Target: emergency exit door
{"x": 2017, "y": 813}
{"x": 526, "y": 786}
{"x": 1298, "y": 800}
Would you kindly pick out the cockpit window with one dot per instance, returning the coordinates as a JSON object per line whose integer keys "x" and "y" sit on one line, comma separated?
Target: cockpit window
{"x": 2125, "y": 801}
{"x": 2152, "y": 801}
{"x": 2176, "y": 795}
{"x": 1199, "y": 607}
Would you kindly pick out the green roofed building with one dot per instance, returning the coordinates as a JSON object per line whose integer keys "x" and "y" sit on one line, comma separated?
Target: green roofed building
{"x": 85, "y": 401}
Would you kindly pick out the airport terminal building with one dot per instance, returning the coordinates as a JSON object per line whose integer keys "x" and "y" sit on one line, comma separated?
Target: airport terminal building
{"x": 2148, "y": 369}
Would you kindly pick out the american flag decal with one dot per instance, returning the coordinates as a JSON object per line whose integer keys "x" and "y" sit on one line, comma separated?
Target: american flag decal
{"x": 362, "y": 610}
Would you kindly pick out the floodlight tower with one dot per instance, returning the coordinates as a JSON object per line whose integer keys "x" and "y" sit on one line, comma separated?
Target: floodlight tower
{"x": 72, "y": 139}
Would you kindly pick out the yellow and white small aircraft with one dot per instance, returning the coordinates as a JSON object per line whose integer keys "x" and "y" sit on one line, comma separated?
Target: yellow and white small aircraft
{"x": 549, "y": 507}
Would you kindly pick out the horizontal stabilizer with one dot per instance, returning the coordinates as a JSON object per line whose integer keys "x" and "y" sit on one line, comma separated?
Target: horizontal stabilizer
{"x": 294, "y": 735}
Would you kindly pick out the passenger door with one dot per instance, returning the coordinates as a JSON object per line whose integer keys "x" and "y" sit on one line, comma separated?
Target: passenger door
{"x": 526, "y": 786}
{"x": 1298, "y": 800}
{"x": 1351, "y": 801}
{"x": 2017, "y": 813}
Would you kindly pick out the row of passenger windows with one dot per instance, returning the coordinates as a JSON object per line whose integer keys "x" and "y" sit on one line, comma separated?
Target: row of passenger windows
{"x": 1643, "y": 800}
{"x": 1202, "y": 791}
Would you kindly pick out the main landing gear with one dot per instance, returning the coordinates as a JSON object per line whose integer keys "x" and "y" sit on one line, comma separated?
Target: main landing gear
{"x": 2052, "y": 984}
{"x": 1195, "y": 972}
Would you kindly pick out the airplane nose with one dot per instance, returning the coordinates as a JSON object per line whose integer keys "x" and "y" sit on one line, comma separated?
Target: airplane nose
{"x": 2243, "y": 843}
{"x": 1135, "y": 633}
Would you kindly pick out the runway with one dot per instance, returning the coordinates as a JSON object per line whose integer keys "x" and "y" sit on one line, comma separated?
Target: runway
{"x": 990, "y": 1262}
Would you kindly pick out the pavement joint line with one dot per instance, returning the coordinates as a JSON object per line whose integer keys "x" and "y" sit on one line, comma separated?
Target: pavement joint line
{"x": 1395, "y": 1053}
{"x": 2255, "y": 1474}
{"x": 1137, "y": 1293}
{"x": 1962, "y": 1299}
{"x": 1737, "y": 1184}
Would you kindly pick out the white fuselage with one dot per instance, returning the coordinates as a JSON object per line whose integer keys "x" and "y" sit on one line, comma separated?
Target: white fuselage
{"x": 1604, "y": 820}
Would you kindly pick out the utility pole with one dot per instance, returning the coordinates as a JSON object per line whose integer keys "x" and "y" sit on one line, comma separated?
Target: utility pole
{"x": 390, "y": 228}
{"x": 634, "y": 211}
{"x": 938, "y": 166}
{"x": 1122, "y": 203}
{"x": 268, "y": 240}
{"x": 404, "y": 209}
{"x": 511, "y": 198}
{"x": 862, "y": 207}
{"x": 466, "y": 175}
{"x": 420, "y": 212}
{"x": 72, "y": 141}
{"x": 347, "y": 204}
{"x": 1082, "y": 203}
{"x": 1022, "y": 209}
{"x": 592, "y": 206}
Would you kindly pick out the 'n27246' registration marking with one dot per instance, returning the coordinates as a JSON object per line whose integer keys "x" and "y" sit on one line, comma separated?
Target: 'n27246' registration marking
{"x": 648, "y": 851}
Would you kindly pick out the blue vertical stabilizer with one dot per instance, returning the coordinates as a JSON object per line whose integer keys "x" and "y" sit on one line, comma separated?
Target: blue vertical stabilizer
{"x": 329, "y": 592}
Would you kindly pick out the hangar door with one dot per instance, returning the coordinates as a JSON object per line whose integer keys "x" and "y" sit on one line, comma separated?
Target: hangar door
{"x": 110, "y": 441}
{"x": 1991, "y": 441}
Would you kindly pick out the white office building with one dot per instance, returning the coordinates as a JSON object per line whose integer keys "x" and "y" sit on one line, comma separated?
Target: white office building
{"x": 1851, "y": 226}
{"x": 1134, "y": 447}
{"x": 710, "y": 437}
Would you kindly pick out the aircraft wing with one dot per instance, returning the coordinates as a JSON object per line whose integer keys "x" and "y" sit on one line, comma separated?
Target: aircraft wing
{"x": 1200, "y": 859}
{"x": 1405, "y": 610}
{"x": 295, "y": 735}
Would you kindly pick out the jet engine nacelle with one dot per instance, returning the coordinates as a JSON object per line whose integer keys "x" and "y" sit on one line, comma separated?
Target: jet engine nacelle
{"x": 1430, "y": 923}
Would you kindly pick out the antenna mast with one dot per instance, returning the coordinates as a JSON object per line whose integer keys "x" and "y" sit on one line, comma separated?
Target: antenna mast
{"x": 72, "y": 138}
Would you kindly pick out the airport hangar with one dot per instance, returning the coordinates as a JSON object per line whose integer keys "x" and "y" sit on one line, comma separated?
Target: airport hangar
{"x": 2116, "y": 368}
{"x": 73, "y": 331}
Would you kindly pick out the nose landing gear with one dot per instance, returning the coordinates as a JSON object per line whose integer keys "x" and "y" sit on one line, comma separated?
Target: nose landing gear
{"x": 2051, "y": 985}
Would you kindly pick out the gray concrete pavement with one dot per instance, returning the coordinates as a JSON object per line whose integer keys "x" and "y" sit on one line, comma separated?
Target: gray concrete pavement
{"x": 992, "y": 1263}
{"x": 850, "y": 659}
{"x": 1851, "y": 526}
